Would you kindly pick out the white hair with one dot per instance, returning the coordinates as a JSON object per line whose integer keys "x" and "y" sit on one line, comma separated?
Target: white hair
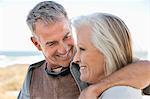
{"x": 48, "y": 12}
{"x": 110, "y": 36}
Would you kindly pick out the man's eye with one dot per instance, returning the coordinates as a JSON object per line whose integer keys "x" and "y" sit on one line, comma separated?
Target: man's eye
{"x": 68, "y": 36}
{"x": 51, "y": 44}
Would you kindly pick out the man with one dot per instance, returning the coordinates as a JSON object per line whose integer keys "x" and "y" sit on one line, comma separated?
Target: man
{"x": 52, "y": 78}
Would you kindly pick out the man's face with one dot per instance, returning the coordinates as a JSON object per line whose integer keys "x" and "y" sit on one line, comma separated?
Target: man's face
{"x": 55, "y": 41}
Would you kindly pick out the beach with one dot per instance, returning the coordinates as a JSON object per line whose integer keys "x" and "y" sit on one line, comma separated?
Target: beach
{"x": 11, "y": 80}
{"x": 13, "y": 68}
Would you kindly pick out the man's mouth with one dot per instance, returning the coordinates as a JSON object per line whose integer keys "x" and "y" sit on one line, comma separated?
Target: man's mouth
{"x": 65, "y": 56}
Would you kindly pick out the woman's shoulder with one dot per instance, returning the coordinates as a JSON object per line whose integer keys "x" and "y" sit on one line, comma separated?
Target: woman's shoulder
{"x": 121, "y": 92}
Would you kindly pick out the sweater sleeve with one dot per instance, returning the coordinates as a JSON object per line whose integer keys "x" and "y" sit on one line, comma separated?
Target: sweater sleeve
{"x": 121, "y": 92}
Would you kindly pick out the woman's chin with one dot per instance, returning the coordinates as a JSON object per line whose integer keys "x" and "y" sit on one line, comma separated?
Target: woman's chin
{"x": 83, "y": 78}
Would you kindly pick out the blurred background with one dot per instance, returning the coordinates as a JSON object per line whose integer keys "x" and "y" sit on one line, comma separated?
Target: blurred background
{"x": 17, "y": 51}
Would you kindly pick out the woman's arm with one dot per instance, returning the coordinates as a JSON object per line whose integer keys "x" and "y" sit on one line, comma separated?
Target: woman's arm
{"x": 136, "y": 75}
{"x": 121, "y": 92}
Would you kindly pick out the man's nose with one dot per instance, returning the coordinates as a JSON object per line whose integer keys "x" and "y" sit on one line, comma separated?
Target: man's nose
{"x": 76, "y": 58}
{"x": 63, "y": 48}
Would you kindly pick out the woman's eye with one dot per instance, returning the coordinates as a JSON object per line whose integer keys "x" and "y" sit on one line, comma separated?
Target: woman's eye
{"x": 82, "y": 49}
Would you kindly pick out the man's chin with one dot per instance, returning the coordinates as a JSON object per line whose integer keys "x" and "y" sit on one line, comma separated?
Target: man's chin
{"x": 65, "y": 64}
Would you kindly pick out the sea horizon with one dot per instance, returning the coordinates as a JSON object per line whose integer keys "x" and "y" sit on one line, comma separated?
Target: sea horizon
{"x": 29, "y": 57}
{"x": 8, "y": 58}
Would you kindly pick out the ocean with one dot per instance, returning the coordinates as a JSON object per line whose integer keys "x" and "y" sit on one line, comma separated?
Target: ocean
{"x": 28, "y": 57}
{"x": 19, "y": 57}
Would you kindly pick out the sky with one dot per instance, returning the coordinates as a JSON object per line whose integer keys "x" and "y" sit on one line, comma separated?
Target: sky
{"x": 15, "y": 34}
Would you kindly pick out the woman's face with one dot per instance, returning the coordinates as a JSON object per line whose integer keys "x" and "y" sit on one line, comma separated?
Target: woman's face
{"x": 89, "y": 58}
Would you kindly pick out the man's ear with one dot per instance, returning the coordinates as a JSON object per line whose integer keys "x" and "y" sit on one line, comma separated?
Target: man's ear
{"x": 36, "y": 43}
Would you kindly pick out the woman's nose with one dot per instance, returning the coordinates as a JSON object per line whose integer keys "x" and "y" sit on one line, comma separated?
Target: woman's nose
{"x": 76, "y": 58}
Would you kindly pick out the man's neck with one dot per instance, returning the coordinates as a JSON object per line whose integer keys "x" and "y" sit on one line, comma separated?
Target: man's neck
{"x": 60, "y": 71}
{"x": 57, "y": 69}
{"x": 54, "y": 68}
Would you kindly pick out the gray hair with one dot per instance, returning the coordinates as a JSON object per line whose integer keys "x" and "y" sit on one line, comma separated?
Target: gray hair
{"x": 110, "y": 36}
{"x": 47, "y": 11}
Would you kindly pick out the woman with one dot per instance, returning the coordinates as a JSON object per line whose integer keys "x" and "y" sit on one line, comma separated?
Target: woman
{"x": 103, "y": 47}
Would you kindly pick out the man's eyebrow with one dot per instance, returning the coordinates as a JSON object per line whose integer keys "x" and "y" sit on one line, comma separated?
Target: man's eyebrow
{"x": 50, "y": 42}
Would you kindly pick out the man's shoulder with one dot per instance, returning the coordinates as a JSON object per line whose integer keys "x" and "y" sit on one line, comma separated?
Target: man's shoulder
{"x": 37, "y": 64}
{"x": 24, "y": 93}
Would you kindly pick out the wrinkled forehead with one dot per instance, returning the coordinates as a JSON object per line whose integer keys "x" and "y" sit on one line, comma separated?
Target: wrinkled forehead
{"x": 63, "y": 21}
{"x": 57, "y": 29}
{"x": 52, "y": 22}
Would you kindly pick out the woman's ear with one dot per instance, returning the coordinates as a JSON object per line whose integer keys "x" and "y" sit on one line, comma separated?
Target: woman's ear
{"x": 36, "y": 43}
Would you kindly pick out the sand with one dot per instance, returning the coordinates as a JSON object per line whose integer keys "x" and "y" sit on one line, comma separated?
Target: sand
{"x": 11, "y": 79}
